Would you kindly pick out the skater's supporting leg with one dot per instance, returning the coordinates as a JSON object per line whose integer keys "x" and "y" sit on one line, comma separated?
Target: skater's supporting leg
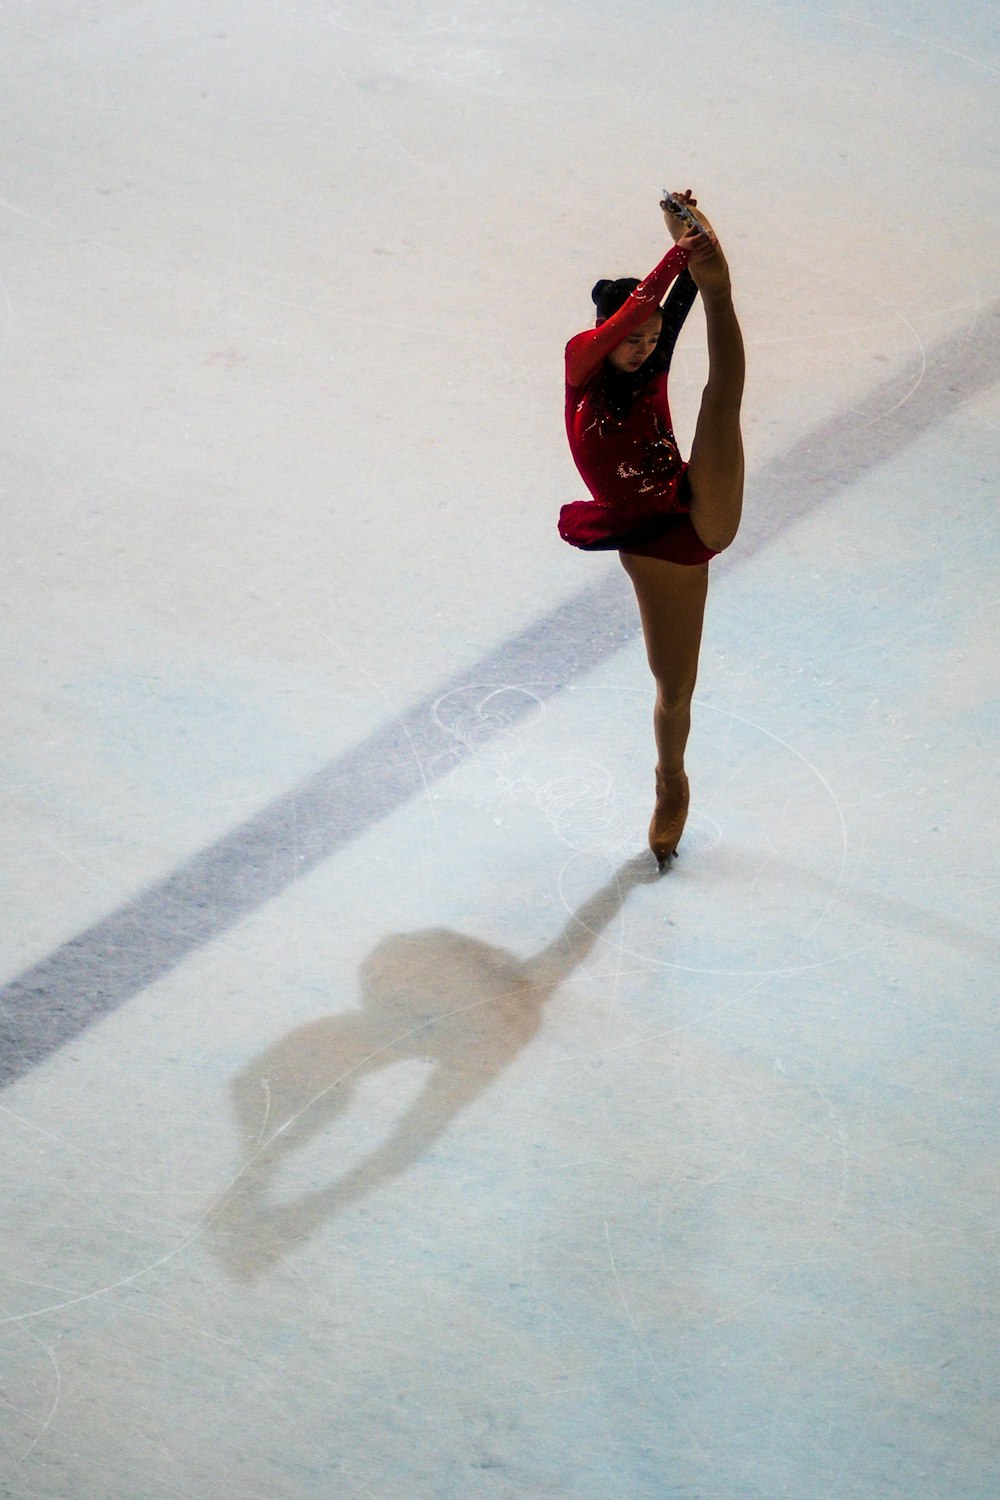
{"x": 671, "y": 599}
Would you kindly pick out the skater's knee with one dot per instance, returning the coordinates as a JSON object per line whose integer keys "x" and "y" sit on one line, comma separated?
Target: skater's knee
{"x": 715, "y": 537}
{"x": 716, "y": 512}
{"x": 673, "y": 692}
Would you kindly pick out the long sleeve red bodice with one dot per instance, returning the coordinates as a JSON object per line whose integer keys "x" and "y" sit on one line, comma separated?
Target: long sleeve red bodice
{"x": 629, "y": 462}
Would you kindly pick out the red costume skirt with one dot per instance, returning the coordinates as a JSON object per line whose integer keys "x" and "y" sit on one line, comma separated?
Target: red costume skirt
{"x": 666, "y": 534}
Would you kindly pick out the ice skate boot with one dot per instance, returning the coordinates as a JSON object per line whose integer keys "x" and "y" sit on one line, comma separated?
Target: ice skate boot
{"x": 711, "y": 275}
{"x": 669, "y": 815}
{"x": 682, "y": 214}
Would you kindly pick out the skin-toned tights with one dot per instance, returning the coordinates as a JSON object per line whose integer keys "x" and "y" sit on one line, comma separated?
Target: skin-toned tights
{"x": 671, "y": 599}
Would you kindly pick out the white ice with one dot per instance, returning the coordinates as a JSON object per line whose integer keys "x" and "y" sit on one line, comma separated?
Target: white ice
{"x": 477, "y": 1164}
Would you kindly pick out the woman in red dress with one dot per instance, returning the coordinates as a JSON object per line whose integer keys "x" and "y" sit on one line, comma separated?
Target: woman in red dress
{"x": 666, "y": 519}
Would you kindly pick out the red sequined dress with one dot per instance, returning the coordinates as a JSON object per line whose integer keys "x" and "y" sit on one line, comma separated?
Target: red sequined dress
{"x": 621, "y": 436}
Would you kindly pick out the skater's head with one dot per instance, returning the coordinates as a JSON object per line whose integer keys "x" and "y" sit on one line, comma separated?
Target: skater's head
{"x": 636, "y": 347}
{"x": 609, "y": 296}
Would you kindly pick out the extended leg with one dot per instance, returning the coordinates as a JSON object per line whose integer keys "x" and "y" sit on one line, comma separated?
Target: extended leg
{"x": 671, "y": 599}
{"x": 716, "y": 468}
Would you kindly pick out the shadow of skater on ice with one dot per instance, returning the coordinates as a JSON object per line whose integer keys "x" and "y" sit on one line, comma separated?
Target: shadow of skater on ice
{"x": 463, "y": 1006}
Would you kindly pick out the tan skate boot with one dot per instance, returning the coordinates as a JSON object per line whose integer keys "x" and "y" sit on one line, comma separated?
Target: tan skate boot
{"x": 669, "y": 815}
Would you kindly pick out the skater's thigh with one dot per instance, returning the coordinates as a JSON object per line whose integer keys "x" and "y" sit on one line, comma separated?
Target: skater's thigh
{"x": 671, "y": 599}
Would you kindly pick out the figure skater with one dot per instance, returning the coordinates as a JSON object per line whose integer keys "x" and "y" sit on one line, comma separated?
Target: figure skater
{"x": 666, "y": 519}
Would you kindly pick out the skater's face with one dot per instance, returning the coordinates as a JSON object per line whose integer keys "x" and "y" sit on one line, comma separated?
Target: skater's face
{"x": 636, "y": 347}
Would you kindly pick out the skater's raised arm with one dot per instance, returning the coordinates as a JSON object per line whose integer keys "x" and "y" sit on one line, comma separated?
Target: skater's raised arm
{"x": 587, "y": 351}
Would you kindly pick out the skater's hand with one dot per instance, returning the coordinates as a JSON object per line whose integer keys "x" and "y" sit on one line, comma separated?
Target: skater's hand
{"x": 698, "y": 246}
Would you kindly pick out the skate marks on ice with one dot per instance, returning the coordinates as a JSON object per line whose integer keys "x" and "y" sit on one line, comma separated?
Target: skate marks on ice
{"x": 461, "y": 1008}
{"x": 858, "y": 23}
{"x": 841, "y": 452}
{"x": 144, "y": 939}
{"x": 478, "y": 46}
{"x": 782, "y": 810}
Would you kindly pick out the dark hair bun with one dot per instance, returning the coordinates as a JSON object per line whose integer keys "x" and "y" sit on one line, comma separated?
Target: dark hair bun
{"x": 609, "y": 295}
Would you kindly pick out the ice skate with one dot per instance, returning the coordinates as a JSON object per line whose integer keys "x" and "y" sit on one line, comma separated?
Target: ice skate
{"x": 669, "y": 816}
{"x": 711, "y": 273}
{"x": 676, "y": 224}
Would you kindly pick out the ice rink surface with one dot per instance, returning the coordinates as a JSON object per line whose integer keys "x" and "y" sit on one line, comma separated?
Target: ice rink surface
{"x": 376, "y": 1126}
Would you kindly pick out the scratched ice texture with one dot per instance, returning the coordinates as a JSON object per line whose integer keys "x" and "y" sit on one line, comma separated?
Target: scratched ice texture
{"x": 376, "y": 1127}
